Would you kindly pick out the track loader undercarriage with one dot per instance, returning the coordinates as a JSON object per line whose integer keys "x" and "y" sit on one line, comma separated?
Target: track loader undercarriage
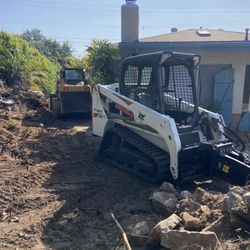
{"x": 124, "y": 149}
{"x": 153, "y": 127}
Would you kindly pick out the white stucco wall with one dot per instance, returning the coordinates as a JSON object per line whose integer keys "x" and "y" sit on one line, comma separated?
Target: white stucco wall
{"x": 239, "y": 60}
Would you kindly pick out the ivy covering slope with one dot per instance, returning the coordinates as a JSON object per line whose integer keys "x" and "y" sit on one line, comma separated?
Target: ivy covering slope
{"x": 21, "y": 64}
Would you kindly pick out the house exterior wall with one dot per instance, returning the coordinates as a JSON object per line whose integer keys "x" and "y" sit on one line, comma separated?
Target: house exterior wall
{"x": 238, "y": 57}
{"x": 207, "y": 73}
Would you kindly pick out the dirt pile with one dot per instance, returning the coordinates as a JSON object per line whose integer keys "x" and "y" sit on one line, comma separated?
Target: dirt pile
{"x": 16, "y": 108}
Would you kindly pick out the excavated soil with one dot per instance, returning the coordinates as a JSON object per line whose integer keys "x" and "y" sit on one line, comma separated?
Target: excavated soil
{"x": 54, "y": 191}
{"x": 65, "y": 198}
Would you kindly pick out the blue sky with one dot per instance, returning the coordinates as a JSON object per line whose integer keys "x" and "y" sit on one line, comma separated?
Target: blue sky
{"x": 79, "y": 21}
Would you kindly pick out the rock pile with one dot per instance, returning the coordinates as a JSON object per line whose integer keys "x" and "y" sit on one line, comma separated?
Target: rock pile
{"x": 202, "y": 220}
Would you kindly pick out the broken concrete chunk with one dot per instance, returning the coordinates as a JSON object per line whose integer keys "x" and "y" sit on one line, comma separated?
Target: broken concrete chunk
{"x": 242, "y": 211}
{"x": 204, "y": 215}
{"x": 203, "y": 197}
{"x": 246, "y": 198}
{"x": 170, "y": 223}
{"x": 219, "y": 226}
{"x": 182, "y": 239}
{"x": 191, "y": 223}
{"x": 205, "y": 210}
{"x": 164, "y": 202}
{"x": 237, "y": 190}
{"x": 141, "y": 228}
{"x": 187, "y": 205}
{"x": 227, "y": 203}
{"x": 169, "y": 188}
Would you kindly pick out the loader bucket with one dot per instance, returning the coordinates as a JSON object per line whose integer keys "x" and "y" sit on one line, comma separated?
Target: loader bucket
{"x": 76, "y": 102}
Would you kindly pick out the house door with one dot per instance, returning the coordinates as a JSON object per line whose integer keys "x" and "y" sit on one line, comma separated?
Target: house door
{"x": 223, "y": 93}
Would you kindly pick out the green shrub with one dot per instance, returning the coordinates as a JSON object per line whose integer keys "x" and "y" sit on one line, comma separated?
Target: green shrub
{"x": 24, "y": 65}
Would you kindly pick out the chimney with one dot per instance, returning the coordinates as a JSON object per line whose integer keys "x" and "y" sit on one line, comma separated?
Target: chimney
{"x": 130, "y": 21}
{"x": 246, "y": 37}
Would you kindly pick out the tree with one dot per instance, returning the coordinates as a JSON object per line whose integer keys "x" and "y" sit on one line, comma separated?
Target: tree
{"x": 33, "y": 35}
{"x": 102, "y": 62}
{"x": 55, "y": 51}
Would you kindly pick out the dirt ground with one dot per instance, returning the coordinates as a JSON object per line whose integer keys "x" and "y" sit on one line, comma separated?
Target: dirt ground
{"x": 54, "y": 191}
{"x": 58, "y": 195}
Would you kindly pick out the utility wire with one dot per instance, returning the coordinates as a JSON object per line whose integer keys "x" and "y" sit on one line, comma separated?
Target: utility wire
{"x": 114, "y": 9}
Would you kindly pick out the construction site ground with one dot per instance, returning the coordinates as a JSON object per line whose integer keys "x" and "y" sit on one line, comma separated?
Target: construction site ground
{"x": 55, "y": 193}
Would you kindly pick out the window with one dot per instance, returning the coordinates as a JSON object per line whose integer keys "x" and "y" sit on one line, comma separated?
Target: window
{"x": 180, "y": 83}
{"x": 146, "y": 75}
{"x": 137, "y": 84}
{"x": 131, "y": 76}
{"x": 73, "y": 75}
{"x": 177, "y": 86}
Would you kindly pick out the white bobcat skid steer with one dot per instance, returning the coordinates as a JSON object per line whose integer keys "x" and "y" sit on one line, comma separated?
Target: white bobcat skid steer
{"x": 153, "y": 127}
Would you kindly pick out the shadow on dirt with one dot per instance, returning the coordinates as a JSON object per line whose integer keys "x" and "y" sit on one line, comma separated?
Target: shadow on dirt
{"x": 87, "y": 191}
{"x": 43, "y": 118}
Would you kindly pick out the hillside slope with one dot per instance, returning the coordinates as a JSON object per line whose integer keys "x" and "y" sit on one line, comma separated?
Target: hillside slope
{"x": 21, "y": 64}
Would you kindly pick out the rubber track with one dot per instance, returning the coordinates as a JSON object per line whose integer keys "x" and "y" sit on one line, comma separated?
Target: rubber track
{"x": 157, "y": 155}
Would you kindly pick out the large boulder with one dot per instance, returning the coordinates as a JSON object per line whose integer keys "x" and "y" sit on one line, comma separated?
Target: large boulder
{"x": 170, "y": 223}
{"x": 182, "y": 239}
{"x": 164, "y": 203}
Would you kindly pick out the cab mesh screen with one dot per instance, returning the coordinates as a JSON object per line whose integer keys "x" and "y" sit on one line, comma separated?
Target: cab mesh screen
{"x": 177, "y": 86}
{"x": 137, "y": 82}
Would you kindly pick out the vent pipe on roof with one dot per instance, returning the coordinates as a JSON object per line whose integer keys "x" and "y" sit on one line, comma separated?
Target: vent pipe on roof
{"x": 130, "y": 21}
{"x": 246, "y": 37}
{"x": 174, "y": 30}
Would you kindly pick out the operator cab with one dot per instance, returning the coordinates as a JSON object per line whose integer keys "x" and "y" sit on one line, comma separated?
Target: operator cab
{"x": 164, "y": 82}
{"x": 73, "y": 76}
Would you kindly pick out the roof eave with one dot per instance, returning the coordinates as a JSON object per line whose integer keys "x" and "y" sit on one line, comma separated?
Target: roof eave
{"x": 186, "y": 44}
